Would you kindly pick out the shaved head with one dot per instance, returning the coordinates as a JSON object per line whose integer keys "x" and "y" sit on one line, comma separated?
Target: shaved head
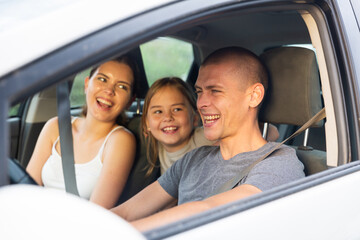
{"x": 245, "y": 64}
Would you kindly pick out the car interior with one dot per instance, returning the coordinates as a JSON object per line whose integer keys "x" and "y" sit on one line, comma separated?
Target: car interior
{"x": 287, "y": 40}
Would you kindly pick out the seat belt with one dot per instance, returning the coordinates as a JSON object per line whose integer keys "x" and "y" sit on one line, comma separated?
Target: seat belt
{"x": 66, "y": 139}
{"x": 233, "y": 182}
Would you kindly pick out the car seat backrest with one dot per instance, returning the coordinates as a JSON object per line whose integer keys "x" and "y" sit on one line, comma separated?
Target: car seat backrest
{"x": 294, "y": 96}
{"x": 138, "y": 179}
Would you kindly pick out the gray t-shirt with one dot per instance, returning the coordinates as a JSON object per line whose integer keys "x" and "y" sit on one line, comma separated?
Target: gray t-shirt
{"x": 201, "y": 171}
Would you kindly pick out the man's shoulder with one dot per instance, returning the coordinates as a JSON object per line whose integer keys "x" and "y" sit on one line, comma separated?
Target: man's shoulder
{"x": 281, "y": 150}
{"x": 285, "y": 150}
{"x": 284, "y": 155}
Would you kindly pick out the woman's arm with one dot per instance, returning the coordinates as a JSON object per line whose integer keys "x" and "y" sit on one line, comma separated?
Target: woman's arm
{"x": 118, "y": 158}
{"x": 43, "y": 149}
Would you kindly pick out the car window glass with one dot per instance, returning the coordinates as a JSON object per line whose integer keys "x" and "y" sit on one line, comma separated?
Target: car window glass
{"x": 14, "y": 111}
{"x": 164, "y": 57}
{"x": 77, "y": 94}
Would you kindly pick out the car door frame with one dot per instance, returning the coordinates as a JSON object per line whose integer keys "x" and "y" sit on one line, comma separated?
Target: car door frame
{"x": 71, "y": 59}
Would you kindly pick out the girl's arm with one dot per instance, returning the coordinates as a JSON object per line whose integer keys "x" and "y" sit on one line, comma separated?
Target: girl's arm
{"x": 118, "y": 158}
{"x": 43, "y": 149}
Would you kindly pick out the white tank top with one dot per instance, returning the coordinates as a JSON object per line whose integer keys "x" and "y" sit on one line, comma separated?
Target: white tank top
{"x": 87, "y": 173}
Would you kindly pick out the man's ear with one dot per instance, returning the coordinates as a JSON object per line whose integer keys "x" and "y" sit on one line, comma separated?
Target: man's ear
{"x": 257, "y": 95}
{"x": 86, "y": 83}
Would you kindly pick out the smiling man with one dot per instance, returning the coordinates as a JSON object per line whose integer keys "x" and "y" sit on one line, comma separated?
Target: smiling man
{"x": 230, "y": 86}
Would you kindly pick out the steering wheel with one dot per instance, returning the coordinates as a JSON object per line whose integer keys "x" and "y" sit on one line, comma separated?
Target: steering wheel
{"x": 17, "y": 174}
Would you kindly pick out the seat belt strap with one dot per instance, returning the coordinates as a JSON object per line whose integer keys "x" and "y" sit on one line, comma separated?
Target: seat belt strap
{"x": 233, "y": 182}
{"x": 66, "y": 139}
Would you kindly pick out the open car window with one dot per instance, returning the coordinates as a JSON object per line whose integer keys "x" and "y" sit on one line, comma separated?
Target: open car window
{"x": 169, "y": 41}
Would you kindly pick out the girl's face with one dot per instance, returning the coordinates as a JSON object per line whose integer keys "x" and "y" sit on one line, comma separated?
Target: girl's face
{"x": 108, "y": 91}
{"x": 170, "y": 118}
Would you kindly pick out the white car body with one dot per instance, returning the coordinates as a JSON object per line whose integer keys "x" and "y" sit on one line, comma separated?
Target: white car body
{"x": 321, "y": 206}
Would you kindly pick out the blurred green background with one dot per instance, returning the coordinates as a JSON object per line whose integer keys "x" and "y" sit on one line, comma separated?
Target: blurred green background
{"x": 162, "y": 57}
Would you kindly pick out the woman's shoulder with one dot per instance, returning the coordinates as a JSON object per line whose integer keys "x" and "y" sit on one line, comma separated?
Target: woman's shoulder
{"x": 53, "y": 122}
{"x": 120, "y": 133}
{"x": 119, "y": 142}
{"x": 51, "y": 128}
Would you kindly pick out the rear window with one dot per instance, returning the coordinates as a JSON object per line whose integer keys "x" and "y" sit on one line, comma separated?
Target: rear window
{"x": 167, "y": 57}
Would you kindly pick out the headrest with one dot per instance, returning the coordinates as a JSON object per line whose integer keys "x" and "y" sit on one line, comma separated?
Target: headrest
{"x": 293, "y": 96}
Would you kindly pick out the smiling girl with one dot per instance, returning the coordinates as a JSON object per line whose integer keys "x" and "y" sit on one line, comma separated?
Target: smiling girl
{"x": 170, "y": 121}
{"x": 103, "y": 150}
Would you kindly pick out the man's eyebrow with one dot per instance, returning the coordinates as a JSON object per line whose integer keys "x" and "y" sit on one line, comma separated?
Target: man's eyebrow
{"x": 208, "y": 87}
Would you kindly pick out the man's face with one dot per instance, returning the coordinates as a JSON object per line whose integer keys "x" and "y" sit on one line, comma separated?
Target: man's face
{"x": 222, "y": 103}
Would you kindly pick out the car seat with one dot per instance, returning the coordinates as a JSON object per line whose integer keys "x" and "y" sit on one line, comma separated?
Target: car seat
{"x": 294, "y": 96}
{"x": 138, "y": 179}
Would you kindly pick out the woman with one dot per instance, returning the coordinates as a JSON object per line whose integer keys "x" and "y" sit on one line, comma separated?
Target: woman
{"x": 103, "y": 150}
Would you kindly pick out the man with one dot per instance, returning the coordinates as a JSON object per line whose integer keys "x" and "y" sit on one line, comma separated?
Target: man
{"x": 230, "y": 87}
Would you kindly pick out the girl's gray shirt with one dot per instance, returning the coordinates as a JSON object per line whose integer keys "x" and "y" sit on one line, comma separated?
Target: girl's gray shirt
{"x": 201, "y": 171}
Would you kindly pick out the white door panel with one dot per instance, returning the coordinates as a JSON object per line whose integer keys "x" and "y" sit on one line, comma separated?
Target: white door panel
{"x": 326, "y": 211}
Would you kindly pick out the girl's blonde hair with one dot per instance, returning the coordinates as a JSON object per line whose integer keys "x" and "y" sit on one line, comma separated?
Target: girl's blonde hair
{"x": 150, "y": 141}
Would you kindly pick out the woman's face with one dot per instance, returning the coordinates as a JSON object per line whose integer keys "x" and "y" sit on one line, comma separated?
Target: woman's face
{"x": 108, "y": 91}
{"x": 170, "y": 118}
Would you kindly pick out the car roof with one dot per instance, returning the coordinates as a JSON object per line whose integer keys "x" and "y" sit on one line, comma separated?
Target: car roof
{"x": 56, "y": 23}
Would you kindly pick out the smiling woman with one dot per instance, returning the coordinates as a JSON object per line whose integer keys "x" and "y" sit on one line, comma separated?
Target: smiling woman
{"x": 101, "y": 165}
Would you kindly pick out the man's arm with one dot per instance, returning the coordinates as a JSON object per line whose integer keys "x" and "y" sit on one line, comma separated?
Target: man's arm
{"x": 149, "y": 201}
{"x": 192, "y": 208}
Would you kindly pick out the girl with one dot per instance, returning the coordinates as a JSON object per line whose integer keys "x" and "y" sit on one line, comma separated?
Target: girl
{"x": 103, "y": 150}
{"x": 170, "y": 123}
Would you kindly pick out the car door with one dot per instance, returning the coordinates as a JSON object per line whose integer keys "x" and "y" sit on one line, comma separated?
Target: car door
{"x": 323, "y": 204}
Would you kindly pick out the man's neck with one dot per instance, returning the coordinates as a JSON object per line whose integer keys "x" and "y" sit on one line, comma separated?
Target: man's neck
{"x": 248, "y": 138}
